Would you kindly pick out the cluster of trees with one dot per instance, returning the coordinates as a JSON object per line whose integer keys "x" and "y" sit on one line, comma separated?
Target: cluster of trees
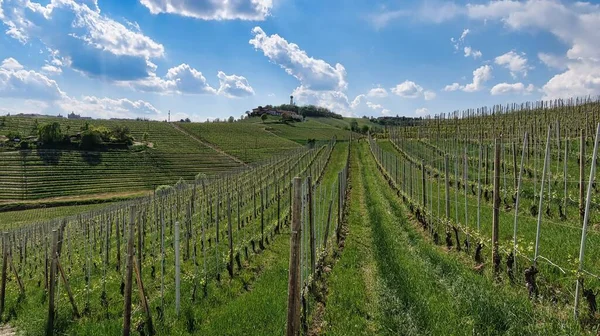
{"x": 89, "y": 137}
{"x": 396, "y": 121}
{"x": 364, "y": 129}
{"x": 309, "y": 111}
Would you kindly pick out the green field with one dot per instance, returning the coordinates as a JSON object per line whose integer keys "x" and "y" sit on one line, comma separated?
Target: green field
{"x": 249, "y": 142}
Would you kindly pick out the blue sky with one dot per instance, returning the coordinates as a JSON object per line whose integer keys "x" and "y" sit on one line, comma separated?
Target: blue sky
{"x": 208, "y": 59}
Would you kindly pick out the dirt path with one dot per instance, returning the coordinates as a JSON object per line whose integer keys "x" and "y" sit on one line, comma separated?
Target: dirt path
{"x": 216, "y": 149}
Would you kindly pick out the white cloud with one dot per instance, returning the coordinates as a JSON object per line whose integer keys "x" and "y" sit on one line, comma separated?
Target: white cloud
{"x": 234, "y": 86}
{"x": 255, "y": 10}
{"x": 314, "y": 74}
{"x": 452, "y": 87}
{"x": 377, "y": 93}
{"x": 89, "y": 41}
{"x": 516, "y": 88}
{"x": 408, "y": 89}
{"x": 577, "y": 24}
{"x": 37, "y": 90}
{"x": 386, "y": 112}
{"x": 464, "y": 34}
{"x": 374, "y": 106}
{"x": 553, "y": 61}
{"x": 183, "y": 79}
{"x": 422, "y": 111}
{"x": 110, "y": 108}
{"x": 429, "y": 95}
{"x": 51, "y": 70}
{"x": 469, "y": 52}
{"x": 16, "y": 82}
{"x": 11, "y": 64}
{"x": 515, "y": 63}
{"x": 480, "y": 76}
{"x": 336, "y": 101}
{"x": 580, "y": 79}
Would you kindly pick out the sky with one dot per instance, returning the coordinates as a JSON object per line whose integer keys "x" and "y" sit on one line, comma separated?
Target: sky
{"x": 207, "y": 59}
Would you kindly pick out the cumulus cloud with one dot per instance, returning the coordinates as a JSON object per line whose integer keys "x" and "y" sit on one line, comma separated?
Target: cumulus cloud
{"x": 576, "y": 24}
{"x": 16, "y": 82}
{"x": 514, "y": 62}
{"x": 255, "y": 10}
{"x": 36, "y": 89}
{"x": 314, "y": 74}
{"x": 410, "y": 89}
{"x": 422, "y": 111}
{"x": 89, "y": 41}
{"x": 452, "y": 87}
{"x": 553, "y": 61}
{"x": 469, "y": 52}
{"x": 234, "y": 86}
{"x": 386, "y": 112}
{"x": 429, "y": 95}
{"x": 184, "y": 79}
{"x": 377, "y": 93}
{"x": 110, "y": 108}
{"x": 515, "y": 88}
{"x": 480, "y": 76}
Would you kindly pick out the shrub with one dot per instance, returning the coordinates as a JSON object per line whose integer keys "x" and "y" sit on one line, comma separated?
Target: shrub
{"x": 264, "y": 117}
{"x": 163, "y": 189}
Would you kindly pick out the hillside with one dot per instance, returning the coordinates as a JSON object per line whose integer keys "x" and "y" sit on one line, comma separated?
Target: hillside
{"x": 174, "y": 151}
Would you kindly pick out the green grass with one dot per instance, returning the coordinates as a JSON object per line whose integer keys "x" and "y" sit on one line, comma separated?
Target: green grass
{"x": 559, "y": 240}
{"x": 246, "y": 141}
{"x": 423, "y": 290}
{"x": 301, "y": 132}
{"x": 12, "y": 219}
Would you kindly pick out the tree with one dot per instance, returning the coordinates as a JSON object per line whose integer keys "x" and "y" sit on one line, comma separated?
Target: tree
{"x": 50, "y": 133}
{"x": 35, "y": 127}
{"x": 365, "y": 129}
{"x": 90, "y": 139}
{"x": 121, "y": 134}
{"x": 264, "y": 117}
{"x": 354, "y": 126}
{"x": 231, "y": 119}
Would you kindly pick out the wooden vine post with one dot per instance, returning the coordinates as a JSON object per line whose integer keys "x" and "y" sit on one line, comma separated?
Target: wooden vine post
{"x": 128, "y": 276}
{"x": 311, "y": 221}
{"x": 495, "y": 216}
{"x": 447, "y": 176}
{"x": 294, "y": 301}
{"x": 423, "y": 184}
{"x": 51, "y": 283}
{"x": 4, "y": 266}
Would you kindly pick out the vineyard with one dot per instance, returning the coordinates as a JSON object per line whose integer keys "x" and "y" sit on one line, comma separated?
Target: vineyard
{"x": 485, "y": 221}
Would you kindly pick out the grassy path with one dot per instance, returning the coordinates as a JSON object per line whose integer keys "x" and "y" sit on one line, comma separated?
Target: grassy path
{"x": 391, "y": 280}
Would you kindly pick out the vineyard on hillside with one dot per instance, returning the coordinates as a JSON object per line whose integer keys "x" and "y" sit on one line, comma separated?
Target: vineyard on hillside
{"x": 538, "y": 187}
